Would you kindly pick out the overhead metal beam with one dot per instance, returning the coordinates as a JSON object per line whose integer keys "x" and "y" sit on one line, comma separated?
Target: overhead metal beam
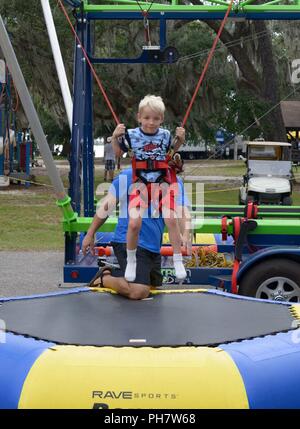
{"x": 244, "y": 10}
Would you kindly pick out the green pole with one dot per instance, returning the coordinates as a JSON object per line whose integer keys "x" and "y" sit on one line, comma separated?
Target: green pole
{"x": 244, "y": 3}
{"x": 272, "y": 2}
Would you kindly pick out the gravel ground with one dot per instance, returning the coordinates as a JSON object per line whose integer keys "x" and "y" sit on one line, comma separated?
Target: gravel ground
{"x": 28, "y": 273}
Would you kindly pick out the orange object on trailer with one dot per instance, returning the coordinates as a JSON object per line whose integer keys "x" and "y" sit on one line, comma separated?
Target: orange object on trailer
{"x": 164, "y": 251}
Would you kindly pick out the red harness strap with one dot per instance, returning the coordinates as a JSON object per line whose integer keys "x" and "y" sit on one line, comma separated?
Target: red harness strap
{"x": 154, "y": 165}
{"x": 162, "y": 195}
{"x": 148, "y": 164}
{"x": 170, "y": 176}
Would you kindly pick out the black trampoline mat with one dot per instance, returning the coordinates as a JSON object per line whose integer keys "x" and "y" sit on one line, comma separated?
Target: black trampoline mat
{"x": 167, "y": 319}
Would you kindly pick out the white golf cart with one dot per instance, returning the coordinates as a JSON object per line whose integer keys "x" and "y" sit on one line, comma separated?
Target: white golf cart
{"x": 269, "y": 174}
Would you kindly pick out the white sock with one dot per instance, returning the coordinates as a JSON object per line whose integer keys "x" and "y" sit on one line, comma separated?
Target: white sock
{"x": 179, "y": 267}
{"x": 130, "y": 272}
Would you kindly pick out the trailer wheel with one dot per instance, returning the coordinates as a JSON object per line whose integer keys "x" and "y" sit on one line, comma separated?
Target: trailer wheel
{"x": 274, "y": 279}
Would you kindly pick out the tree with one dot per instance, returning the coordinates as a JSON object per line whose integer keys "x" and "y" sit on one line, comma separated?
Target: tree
{"x": 240, "y": 86}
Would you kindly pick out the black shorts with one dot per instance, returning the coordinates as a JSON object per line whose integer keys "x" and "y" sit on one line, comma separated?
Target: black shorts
{"x": 110, "y": 165}
{"x": 147, "y": 268}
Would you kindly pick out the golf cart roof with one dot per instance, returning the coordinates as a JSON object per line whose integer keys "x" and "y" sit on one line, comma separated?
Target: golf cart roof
{"x": 263, "y": 143}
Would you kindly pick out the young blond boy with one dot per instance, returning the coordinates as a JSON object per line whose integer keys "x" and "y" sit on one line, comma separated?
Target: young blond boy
{"x": 150, "y": 145}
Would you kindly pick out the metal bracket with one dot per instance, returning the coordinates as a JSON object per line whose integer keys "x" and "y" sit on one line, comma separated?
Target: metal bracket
{"x": 150, "y": 54}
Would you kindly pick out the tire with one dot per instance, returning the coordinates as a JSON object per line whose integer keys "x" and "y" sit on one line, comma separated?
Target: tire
{"x": 191, "y": 156}
{"x": 273, "y": 279}
{"x": 287, "y": 201}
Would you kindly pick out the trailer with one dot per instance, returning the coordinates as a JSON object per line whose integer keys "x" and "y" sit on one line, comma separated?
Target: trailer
{"x": 194, "y": 151}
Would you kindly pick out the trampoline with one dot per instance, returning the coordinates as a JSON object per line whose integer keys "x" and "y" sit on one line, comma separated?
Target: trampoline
{"x": 200, "y": 348}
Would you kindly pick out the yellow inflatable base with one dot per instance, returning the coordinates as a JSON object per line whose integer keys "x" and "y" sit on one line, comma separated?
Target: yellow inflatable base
{"x": 110, "y": 377}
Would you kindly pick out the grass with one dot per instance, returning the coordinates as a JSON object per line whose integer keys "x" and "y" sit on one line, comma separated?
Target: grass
{"x": 236, "y": 169}
{"x": 30, "y": 219}
{"x": 216, "y": 194}
{"x": 225, "y": 194}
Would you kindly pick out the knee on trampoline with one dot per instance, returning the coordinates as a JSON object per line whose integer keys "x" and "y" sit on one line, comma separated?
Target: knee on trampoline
{"x": 138, "y": 291}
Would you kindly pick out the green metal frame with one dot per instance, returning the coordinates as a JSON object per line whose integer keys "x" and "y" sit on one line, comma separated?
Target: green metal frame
{"x": 285, "y": 212}
{"x": 213, "y": 226}
{"x": 173, "y": 6}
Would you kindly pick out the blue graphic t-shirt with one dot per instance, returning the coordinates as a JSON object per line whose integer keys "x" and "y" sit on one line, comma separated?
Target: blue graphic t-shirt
{"x": 152, "y": 229}
{"x": 149, "y": 146}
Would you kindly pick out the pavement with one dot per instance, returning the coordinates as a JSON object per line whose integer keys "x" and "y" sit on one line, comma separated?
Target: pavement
{"x": 29, "y": 273}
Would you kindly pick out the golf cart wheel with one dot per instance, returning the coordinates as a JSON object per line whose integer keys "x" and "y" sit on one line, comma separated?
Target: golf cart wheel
{"x": 287, "y": 201}
{"x": 274, "y": 279}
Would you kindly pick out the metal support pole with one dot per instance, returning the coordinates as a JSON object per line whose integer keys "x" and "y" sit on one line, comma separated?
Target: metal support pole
{"x": 162, "y": 33}
{"x": 28, "y": 144}
{"x": 88, "y": 142}
{"x": 1, "y": 143}
{"x": 64, "y": 85}
{"x": 19, "y": 141}
{"x": 78, "y": 124}
{"x": 235, "y": 151}
{"x": 78, "y": 137}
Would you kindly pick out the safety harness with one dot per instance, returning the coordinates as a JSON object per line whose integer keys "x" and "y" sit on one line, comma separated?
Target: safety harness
{"x": 168, "y": 169}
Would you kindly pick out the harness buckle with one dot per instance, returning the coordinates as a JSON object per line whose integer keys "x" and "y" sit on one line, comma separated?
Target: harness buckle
{"x": 150, "y": 164}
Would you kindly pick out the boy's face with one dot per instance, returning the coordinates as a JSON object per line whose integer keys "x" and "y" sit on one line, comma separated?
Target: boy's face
{"x": 149, "y": 120}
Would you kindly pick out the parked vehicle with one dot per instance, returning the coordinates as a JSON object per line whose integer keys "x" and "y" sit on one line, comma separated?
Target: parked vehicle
{"x": 268, "y": 179}
{"x": 194, "y": 151}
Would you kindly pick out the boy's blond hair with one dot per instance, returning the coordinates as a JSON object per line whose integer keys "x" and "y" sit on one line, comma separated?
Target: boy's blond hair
{"x": 154, "y": 103}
